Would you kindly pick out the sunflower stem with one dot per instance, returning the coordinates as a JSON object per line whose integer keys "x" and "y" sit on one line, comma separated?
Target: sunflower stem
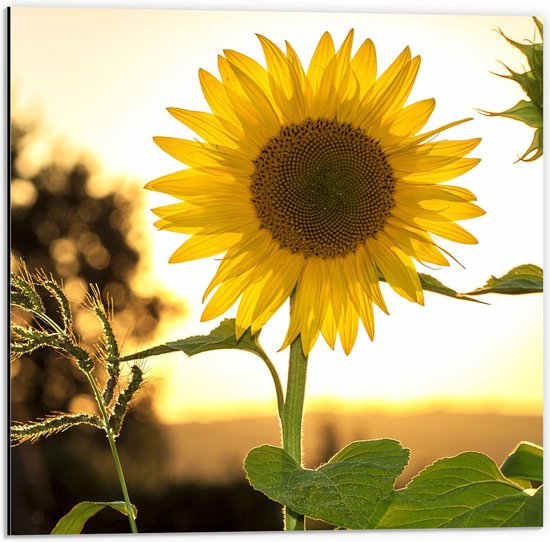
{"x": 291, "y": 420}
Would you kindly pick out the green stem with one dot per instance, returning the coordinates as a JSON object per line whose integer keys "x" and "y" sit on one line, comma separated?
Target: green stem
{"x": 116, "y": 458}
{"x": 276, "y": 381}
{"x": 292, "y": 419}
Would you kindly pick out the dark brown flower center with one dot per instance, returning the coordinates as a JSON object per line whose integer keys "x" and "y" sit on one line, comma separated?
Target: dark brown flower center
{"x": 322, "y": 188}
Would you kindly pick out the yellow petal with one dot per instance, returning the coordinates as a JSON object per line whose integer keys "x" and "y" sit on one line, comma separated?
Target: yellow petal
{"x": 196, "y": 154}
{"x": 284, "y": 81}
{"x": 189, "y": 183}
{"x": 444, "y": 173}
{"x": 284, "y": 271}
{"x": 413, "y": 193}
{"x": 225, "y": 296}
{"x": 397, "y": 268}
{"x": 295, "y": 63}
{"x": 409, "y": 120}
{"x": 368, "y": 277}
{"x": 246, "y": 255}
{"x": 204, "y": 246}
{"x": 205, "y": 125}
{"x": 324, "y": 53}
{"x": 363, "y": 305}
{"x": 329, "y": 328}
{"x": 447, "y": 230}
{"x": 431, "y": 156}
{"x": 343, "y": 56}
{"x": 252, "y": 68}
{"x": 387, "y": 97}
{"x": 218, "y": 101}
{"x": 415, "y": 245}
{"x": 424, "y": 137}
{"x": 260, "y": 101}
{"x": 363, "y": 65}
{"x": 347, "y": 327}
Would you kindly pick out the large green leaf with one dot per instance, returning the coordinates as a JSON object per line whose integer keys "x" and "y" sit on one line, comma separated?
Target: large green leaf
{"x": 525, "y": 463}
{"x": 343, "y": 492}
{"x": 467, "y": 490}
{"x": 74, "y": 521}
{"x": 221, "y": 338}
{"x": 524, "y": 279}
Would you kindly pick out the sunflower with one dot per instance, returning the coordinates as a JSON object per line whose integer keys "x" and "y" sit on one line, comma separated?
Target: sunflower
{"x": 314, "y": 183}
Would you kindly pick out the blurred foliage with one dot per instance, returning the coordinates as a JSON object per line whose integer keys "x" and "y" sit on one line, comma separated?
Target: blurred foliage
{"x": 56, "y": 225}
{"x": 528, "y": 111}
{"x": 60, "y": 225}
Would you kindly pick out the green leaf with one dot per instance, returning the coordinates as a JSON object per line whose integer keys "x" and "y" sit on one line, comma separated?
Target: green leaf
{"x": 74, "y": 521}
{"x": 524, "y": 279}
{"x": 431, "y": 284}
{"x": 525, "y": 463}
{"x": 343, "y": 492}
{"x": 221, "y": 338}
{"x": 467, "y": 490}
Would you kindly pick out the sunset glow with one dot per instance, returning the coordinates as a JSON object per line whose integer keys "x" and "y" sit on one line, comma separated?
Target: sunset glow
{"x": 449, "y": 354}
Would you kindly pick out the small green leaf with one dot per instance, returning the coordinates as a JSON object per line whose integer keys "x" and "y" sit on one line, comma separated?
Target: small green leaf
{"x": 525, "y": 463}
{"x": 467, "y": 490}
{"x": 524, "y": 279}
{"x": 221, "y": 338}
{"x": 343, "y": 492}
{"x": 74, "y": 521}
{"x": 431, "y": 284}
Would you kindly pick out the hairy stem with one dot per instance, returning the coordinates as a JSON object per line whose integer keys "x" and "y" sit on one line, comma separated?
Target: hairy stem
{"x": 116, "y": 458}
{"x": 291, "y": 420}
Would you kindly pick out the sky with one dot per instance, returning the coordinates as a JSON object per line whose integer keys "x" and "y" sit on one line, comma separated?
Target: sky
{"x": 122, "y": 68}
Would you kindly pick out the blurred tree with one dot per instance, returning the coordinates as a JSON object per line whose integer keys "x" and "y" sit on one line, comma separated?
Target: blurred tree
{"x": 58, "y": 226}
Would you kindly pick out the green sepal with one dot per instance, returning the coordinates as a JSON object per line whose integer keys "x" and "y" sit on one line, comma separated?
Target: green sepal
{"x": 536, "y": 147}
{"x": 530, "y": 85}
{"x": 539, "y": 26}
{"x": 523, "y": 111}
{"x": 533, "y": 52}
{"x": 74, "y": 521}
{"x": 531, "y": 81}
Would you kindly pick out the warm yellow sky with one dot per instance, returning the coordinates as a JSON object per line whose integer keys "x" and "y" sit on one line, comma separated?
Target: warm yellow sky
{"x": 121, "y": 69}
